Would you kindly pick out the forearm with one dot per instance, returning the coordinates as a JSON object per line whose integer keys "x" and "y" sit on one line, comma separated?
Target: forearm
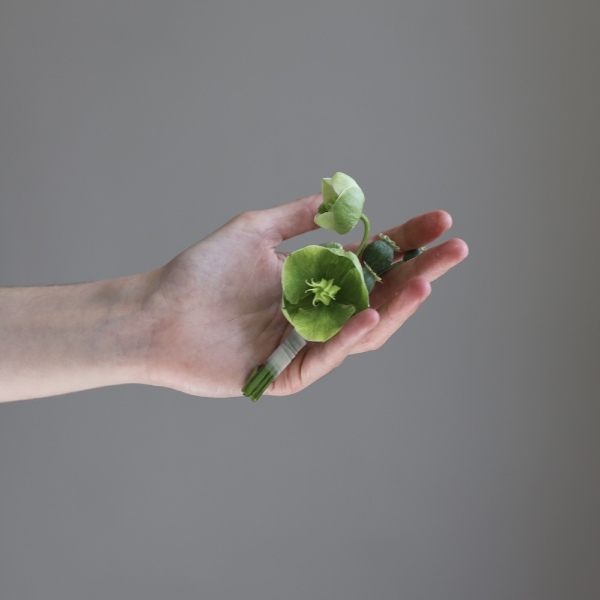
{"x": 60, "y": 339}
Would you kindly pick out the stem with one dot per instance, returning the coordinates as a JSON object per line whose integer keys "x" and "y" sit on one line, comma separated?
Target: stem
{"x": 365, "y": 238}
{"x": 262, "y": 376}
{"x": 411, "y": 254}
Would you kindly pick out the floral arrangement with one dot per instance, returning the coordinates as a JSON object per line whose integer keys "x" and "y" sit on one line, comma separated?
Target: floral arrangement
{"x": 324, "y": 285}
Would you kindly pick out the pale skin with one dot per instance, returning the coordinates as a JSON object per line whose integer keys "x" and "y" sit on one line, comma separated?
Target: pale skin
{"x": 202, "y": 322}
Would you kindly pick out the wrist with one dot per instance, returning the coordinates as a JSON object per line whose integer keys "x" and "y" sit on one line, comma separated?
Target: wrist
{"x": 125, "y": 328}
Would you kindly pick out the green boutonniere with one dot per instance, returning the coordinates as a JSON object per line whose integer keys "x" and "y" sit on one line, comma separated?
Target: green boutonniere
{"x": 323, "y": 286}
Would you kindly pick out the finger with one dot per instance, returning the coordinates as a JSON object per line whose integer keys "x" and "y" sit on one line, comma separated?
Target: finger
{"x": 394, "y": 313}
{"x": 418, "y": 231}
{"x": 288, "y": 220}
{"x": 421, "y": 230}
{"x": 320, "y": 359}
{"x": 434, "y": 262}
{"x": 430, "y": 265}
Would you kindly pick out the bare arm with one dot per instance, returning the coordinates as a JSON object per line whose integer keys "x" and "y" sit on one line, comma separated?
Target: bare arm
{"x": 66, "y": 338}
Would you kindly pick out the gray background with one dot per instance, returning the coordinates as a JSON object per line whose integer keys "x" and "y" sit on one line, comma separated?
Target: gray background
{"x": 461, "y": 461}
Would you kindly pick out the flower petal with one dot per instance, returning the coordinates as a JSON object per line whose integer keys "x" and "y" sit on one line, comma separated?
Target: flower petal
{"x": 339, "y": 249}
{"x": 353, "y": 290}
{"x": 321, "y": 322}
{"x": 347, "y": 209}
{"x": 341, "y": 181}
{"x": 325, "y": 220}
{"x": 329, "y": 194}
{"x": 312, "y": 262}
{"x": 332, "y": 245}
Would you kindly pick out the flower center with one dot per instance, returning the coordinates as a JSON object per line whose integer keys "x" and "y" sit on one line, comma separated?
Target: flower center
{"x": 324, "y": 290}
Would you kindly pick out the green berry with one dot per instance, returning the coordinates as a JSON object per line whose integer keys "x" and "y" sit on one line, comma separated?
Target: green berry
{"x": 378, "y": 255}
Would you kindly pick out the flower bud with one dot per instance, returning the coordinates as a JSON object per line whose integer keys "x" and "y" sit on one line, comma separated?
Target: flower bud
{"x": 342, "y": 204}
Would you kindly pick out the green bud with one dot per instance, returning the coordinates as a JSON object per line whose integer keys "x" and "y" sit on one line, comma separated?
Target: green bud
{"x": 379, "y": 254}
{"x": 410, "y": 254}
{"x": 342, "y": 204}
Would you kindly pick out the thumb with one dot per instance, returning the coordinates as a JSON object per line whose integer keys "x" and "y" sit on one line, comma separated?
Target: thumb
{"x": 288, "y": 220}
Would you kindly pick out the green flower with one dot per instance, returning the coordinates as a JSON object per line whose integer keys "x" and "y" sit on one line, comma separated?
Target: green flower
{"x": 322, "y": 288}
{"x": 342, "y": 205}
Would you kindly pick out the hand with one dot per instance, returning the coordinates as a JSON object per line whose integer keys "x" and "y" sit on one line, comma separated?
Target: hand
{"x": 215, "y": 310}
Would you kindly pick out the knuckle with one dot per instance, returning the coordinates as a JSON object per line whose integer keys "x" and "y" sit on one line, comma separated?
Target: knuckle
{"x": 333, "y": 362}
{"x": 246, "y": 220}
{"x": 370, "y": 344}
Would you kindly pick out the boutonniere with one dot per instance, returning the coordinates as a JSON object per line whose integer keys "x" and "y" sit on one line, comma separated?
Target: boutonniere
{"x": 323, "y": 286}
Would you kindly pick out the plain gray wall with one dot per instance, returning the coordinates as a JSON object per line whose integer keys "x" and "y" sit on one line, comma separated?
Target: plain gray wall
{"x": 461, "y": 461}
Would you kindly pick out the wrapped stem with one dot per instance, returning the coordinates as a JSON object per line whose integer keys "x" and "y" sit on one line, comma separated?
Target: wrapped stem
{"x": 262, "y": 376}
